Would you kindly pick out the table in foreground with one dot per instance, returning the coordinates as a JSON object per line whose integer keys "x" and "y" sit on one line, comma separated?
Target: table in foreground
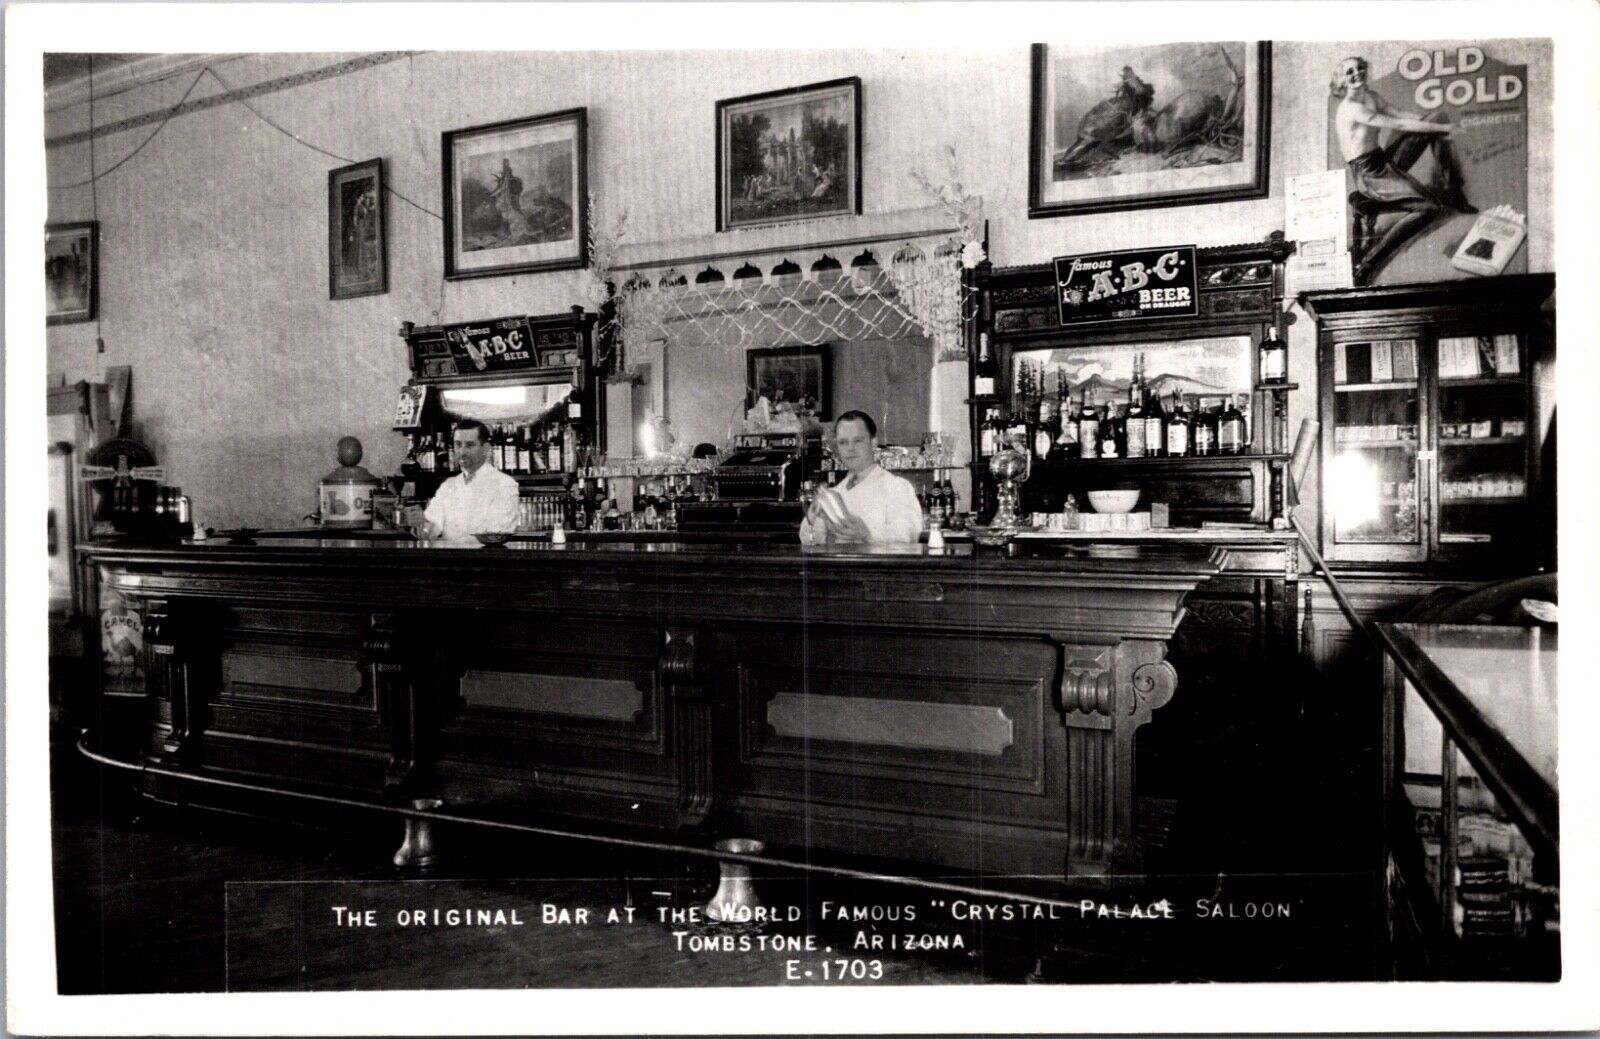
{"x": 961, "y": 710}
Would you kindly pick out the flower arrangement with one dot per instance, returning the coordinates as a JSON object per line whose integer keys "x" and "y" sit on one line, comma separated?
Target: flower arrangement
{"x": 597, "y": 283}
{"x": 965, "y": 209}
{"x": 930, "y": 286}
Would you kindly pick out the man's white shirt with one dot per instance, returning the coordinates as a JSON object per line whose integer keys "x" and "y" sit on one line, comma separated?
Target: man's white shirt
{"x": 489, "y": 503}
{"x": 886, "y": 503}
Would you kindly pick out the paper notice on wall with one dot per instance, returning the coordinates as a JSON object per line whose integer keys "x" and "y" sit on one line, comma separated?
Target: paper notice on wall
{"x": 1315, "y": 214}
{"x": 1311, "y": 273}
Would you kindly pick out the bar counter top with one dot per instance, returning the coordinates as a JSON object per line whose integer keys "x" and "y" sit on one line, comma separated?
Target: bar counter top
{"x": 1149, "y": 558}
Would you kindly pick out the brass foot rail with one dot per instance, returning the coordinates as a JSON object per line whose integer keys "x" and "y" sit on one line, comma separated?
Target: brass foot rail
{"x": 547, "y": 831}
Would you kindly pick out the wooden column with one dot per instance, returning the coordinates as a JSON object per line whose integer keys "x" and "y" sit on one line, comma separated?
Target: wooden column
{"x": 177, "y": 678}
{"x": 690, "y": 734}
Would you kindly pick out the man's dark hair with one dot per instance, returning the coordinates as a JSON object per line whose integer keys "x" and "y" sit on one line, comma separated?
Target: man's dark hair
{"x": 472, "y": 423}
{"x": 857, "y": 416}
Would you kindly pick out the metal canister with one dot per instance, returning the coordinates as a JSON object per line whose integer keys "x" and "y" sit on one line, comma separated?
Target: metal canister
{"x": 344, "y": 497}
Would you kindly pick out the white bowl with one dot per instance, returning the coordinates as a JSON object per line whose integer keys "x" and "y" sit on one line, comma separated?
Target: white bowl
{"x": 1113, "y": 501}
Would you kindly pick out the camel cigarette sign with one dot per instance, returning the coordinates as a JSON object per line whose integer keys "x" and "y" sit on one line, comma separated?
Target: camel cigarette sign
{"x": 1132, "y": 283}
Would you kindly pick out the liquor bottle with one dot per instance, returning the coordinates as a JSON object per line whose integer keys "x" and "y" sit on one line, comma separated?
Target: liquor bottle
{"x": 1178, "y": 429}
{"x": 989, "y": 433}
{"x": 1205, "y": 431}
{"x": 1109, "y": 446}
{"x": 1044, "y": 432}
{"x": 1133, "y": 418}
{"x": 1066, "y": 445}
{"x": 952, "y": 501}
{"x": 552, "y": 452}
{"x": 983, "y": 370}
{"x": 525, "y": 448}
{"x": 613, "y": 515}
{"x": 1017, "y": 429}
{"x": 1089, "y": 429}
{"x": 1274, "y": 357}
{"x": 1232, "y": 437}
{"x": 1155, "y": 428}
{"x": 580, "y": 507}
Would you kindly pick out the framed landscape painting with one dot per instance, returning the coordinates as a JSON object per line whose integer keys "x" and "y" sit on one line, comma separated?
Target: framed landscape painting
{"x": 1124, "y": 126}
{"x": 358, "y": 263}
{"x": 789, "y": 155}
{"x": 792, "y": 377}
{"x": 71, "y": 272}
{"x": 516, "y": 196}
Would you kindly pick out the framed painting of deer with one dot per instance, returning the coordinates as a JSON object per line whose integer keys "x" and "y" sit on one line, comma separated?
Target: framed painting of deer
{"x": 1134, "y": 126}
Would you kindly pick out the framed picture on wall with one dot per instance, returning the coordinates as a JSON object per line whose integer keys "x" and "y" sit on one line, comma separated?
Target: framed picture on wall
{"x": 1125, "y": 126}
{"x": 358, "y": 247}
{"x": 789, "y": 377}
{"x": 789, "y": 155}
{"x": 71, "y": 272}
{"x": 516, "y": 196}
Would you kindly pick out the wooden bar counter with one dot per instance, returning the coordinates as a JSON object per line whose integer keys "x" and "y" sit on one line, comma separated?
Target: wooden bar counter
{"x": 964, "y": 709}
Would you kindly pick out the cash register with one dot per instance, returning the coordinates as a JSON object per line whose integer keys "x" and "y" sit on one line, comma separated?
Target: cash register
{"x": 757, "y": 486}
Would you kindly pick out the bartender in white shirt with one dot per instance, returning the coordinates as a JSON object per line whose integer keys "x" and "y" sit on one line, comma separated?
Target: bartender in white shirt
{"x": 878, "y": 506}
{"x": 478, "y": 500}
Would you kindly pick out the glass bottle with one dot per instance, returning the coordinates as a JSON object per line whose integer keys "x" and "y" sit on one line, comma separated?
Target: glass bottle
{"x": 984, "y": 369}
{"x": 1230, "y": 430}
{"x": 1110, "y": 436}
{"x": 1274, "y": 355}
{"x": 1089, "y": 429}
{"x": 989, "y": 433}
{"x": 1205, "y": 432}
{"x": 1179, "y": 429}
{"x": 1133, "y": 417}
{"x": 1044, "y": 433}
{"x": 1155, "y": 428}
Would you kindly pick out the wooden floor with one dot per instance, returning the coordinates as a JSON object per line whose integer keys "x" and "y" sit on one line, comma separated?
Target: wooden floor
{"x": 152, "y": 898}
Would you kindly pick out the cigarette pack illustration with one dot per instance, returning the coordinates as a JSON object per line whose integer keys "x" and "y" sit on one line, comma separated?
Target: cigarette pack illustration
{"x": 1493, "y": 240}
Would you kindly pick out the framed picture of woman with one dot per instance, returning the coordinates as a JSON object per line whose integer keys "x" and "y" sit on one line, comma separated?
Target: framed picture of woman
{"x": 358, "y": 248}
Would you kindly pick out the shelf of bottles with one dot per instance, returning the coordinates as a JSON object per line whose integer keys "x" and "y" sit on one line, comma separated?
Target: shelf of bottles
{"x": 522, "y": 449}
{"x": 1482, "y": 437}
{"x": 1056, "y": 427}
{"x": 1373, "y": 476}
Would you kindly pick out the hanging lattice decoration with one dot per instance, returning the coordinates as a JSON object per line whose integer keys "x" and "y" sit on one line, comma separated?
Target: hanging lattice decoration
{"x": 799, "y": 299}
{"x": 793, "y": 296}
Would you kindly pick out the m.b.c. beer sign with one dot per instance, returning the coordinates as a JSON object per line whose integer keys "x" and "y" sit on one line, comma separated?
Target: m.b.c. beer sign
{"x": 1125, "y": 285}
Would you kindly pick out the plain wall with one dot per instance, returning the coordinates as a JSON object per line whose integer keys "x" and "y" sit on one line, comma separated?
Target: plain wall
{"x": 213, "y": 260}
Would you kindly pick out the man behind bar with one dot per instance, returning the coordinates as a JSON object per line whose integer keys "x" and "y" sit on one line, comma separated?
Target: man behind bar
{"x": 879, "y": 506}
{"x": 478, "y": 500}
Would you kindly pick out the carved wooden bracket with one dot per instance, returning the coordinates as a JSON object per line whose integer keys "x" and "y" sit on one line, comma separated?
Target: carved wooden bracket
{"x": 679, "y": 671}
{"x": 1107, "y": 693}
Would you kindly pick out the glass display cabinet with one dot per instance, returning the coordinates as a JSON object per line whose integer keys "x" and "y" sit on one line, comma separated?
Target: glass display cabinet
{"x": 1433, "y": 424}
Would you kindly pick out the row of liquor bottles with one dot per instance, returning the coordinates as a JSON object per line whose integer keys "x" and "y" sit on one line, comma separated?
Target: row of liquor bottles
{"x": 515, "y": 448}
{"x": 1142, "y": 428}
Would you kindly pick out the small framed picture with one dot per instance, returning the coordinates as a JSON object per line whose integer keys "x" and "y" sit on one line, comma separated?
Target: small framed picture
{"x": 71, "y": 272}
{"x": 516, "y": 196}
{"x": 789, "y": 155}
{"x": 558, "y": 357}
{"x": 789, "y": 377}
{"x": 358, "y": 248}
{"x": 408, "y": 411}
